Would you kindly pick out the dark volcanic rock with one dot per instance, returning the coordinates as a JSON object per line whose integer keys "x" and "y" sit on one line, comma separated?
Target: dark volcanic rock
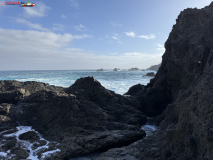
{"x": 185, "y": 79}
{"x": 119, "y": 108}
{"x": 83, "y": 118}
{"x": 9, "y": 144}
{"x": 18, "y": 153}
{"x": 134, "y": 90}
{"x": 29, "y": 136}
{"x": 150, "y": 74}
{"x": 14, "y": 91}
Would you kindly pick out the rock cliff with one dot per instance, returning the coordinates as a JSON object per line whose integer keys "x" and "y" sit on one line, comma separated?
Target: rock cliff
{"x": 183, "y": 87}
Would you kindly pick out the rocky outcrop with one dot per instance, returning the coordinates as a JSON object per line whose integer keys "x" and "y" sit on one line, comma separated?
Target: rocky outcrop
{"x": 134, "y": 90}
{"x": 116, "y": 69}
{"x": 154, "y": 67}
{"x": 99, "y": 70}
{"x": 150, "y": 74}
{"x": 82, "y": 119}
{"x": 121, "y": 109}
{"x": 184, "y": 84}
{"x": 14, "y": 91}
{"x": 133, "y": 69}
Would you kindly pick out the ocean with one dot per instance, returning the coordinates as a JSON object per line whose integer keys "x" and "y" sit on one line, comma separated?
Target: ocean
{"x": 117, "y": 81}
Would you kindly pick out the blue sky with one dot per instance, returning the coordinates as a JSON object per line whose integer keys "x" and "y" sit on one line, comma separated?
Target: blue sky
{"x": 87, "y": 34}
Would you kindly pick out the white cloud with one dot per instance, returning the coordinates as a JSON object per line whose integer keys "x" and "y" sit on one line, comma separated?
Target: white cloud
{"x": 115, "y": 23}
{"x": 160, "y": 47}
{"x": 63, "y": 16}
{"x": 151, "y": 36}
{"x": 113, "y": 53}
{"x": 74, "y": 3}
{"x": 130, "y": 34}
{"x": 31, "y": 25}
{"x": 39, "y": 11}
{"x": 80, "y": 28}
{"x": 59, "y": 27}
{"x": 36, "y": 39}
{"x": 47, "y": 50}
{"x": 114, "y": 37}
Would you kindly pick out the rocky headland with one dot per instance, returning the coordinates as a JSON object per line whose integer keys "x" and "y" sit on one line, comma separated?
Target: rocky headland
{"x": 154, "y": 67}
{"x": 180, "y": 95}
{"x": 49, "y": 122}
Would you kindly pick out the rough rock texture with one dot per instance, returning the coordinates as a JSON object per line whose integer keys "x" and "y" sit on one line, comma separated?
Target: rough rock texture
{"x": 133, "y": 91}
{"x": 185, "y": 79}
{"x": 82, "y": 119}
{"x": 14, "y": 91}
{"x": 121, "y": 109}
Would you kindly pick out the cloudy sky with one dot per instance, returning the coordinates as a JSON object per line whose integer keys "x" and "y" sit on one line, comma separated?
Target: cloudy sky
{"x": 87, "y": 34}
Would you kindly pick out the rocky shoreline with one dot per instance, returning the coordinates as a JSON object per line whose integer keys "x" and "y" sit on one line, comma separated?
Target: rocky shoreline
{"x": 82, "y": 119}
{"x": 87, "y": 118}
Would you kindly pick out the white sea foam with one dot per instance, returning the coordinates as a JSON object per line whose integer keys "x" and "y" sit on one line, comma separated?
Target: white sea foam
{"x": 119, "y": 82}
{"x": 3, "y": 154}
{"x": 27, "y": 145}
{"x": 149, "y": 129}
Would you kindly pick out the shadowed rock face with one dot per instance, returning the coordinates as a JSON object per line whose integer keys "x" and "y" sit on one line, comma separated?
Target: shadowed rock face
{"x": 119, "y": 107}
{"x": 185, "y": 83}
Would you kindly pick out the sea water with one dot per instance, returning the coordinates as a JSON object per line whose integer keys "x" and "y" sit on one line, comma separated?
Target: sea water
{"x": 117, "y": 81}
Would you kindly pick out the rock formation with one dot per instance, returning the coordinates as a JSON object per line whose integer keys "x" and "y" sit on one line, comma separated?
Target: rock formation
{"x": 116, "y": 69}
{"x": 82, "y": 119}
{"x": 133, "y": 69}
{"x": 150, "y": 74}
{"x": 99, "y": 70}
{"x": 183, "y": 87}
{"x": 86, "y": 117}
{"x": 154, "y": 67}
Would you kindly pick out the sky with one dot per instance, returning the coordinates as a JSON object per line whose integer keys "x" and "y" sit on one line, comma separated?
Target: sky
{"x": 87, "y": 34}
